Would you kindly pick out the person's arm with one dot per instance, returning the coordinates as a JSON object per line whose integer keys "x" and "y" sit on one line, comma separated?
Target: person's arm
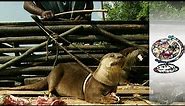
{"x": 34, "y": 9}
{"x": 89, "y": 6}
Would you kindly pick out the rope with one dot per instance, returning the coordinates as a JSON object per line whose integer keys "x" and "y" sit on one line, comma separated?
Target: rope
{"x": 56, "y": 57}
{"x": 84, "y": 84}
{"x": 47, "y": 51}
{"x": 87, "y": 68}
{"x": 72, "y": 8}
{"x": 39, "y": 23}
{"x": 57, "y": 36}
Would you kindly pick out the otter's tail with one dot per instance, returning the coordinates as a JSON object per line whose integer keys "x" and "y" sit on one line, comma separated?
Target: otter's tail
{"x": 41, "y": 85}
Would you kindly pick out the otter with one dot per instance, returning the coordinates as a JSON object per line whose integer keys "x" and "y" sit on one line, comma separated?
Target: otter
{"x": 135, "y": 56}
{"x": 71, "y": 79}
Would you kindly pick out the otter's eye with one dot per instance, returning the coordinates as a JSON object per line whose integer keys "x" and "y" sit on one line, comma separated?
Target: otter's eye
{"x": 140, "y": 57}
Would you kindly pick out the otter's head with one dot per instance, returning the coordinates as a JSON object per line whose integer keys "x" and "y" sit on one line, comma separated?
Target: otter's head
{"x": 135, "y": 57}
{"x": 109, "y": 70}
{"x": 112, "y": 60}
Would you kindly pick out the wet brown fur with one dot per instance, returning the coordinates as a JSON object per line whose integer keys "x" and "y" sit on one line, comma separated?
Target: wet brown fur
{"x": 67, "y": 80}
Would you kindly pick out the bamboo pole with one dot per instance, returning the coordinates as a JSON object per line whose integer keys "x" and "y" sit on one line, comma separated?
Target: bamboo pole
{"x": 88, "y": 48}
{"x": 134, "y": 37}
{"x": 1, "y": 54}
{"x": 113, "y": 37}
{"x": 72, "y": 38}
{"x": 19, "y": 78}
{"x": 29, "y": 30}
{"x": 4, "y": 46}
{"x": 27, "y": 39}
{"x": 44, "y": 70}
{"x": 133, "y": 89}
{"x": 9, "y": 63}
{"x": 53, "y": 23}
{"x": 25, "y": 93}
{"x": 81, "y": 11}
{"x": 37, "y": 70}
{"x": 37, "y": 58}
{"x": 34, "y": 70}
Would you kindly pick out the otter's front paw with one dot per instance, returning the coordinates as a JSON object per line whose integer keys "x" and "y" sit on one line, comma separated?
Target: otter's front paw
{"x": 110, "y": 99}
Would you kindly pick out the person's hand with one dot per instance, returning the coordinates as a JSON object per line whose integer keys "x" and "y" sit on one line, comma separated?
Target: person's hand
{"x": 47, "y": 14}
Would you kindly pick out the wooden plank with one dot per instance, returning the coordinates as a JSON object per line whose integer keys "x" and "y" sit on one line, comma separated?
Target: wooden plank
{"x": 70, "y": 100}
{"x": 12, "y": 92}
{"x": 75, "y": 101}
{"x": 120, "y": 90}
{"x": 134, "y": 90}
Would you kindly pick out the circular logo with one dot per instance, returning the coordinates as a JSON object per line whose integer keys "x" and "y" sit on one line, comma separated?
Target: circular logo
{"x": 167, "y": 50}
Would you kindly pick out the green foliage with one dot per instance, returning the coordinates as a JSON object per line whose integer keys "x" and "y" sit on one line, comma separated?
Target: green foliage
{"x": 165, "y": 10}
{"x": 127, "y": 10}
{"x": 139, "y": 10}
{"x": 144, "y": 12}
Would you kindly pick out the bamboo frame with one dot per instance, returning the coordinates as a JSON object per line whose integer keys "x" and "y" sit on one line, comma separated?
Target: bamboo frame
{"x": 26, "y": 33}
{"x": 9, "y": 63}
{"x": 73, "y": 38}
{"x": 35, "y": 31}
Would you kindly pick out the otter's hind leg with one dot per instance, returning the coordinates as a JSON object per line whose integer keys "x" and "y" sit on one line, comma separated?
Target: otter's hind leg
{"x": 54, "y": 78}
